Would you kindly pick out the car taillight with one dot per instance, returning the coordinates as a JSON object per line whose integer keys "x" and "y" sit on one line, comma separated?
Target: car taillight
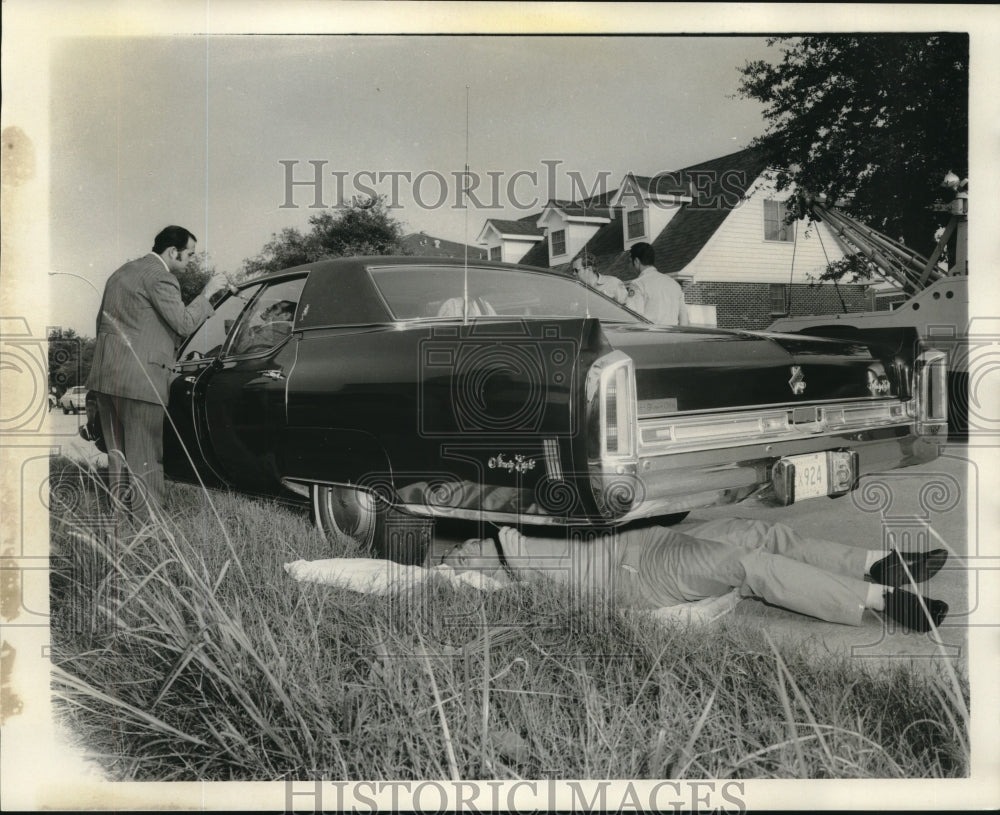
{"x": 612, "y": 381}
{"x": 931, "y": 392}
{"x": 619, "y": 415}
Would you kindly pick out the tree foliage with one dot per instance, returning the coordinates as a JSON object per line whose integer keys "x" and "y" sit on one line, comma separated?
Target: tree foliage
{"x": 194, "y": 276}
{"x": 877, "y": 120}
{"x": 70, "y": 356}
{"x": 364, "y": 227}
{"x": 853, "y": 268}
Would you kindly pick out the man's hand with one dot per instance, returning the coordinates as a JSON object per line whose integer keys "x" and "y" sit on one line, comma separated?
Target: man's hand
{"x": 217, "y": 283}
{"x": 511, "y": 540}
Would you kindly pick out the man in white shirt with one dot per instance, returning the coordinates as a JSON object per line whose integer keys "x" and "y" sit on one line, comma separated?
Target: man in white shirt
{"x": 656, "y": 296}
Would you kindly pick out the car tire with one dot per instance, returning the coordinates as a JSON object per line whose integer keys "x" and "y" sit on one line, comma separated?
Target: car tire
{"x": 65, "y": 410}
{"x": 387, "y": 532}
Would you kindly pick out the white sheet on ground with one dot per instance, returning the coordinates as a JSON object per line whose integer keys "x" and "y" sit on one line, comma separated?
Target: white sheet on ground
{"x": 371, "y": 576}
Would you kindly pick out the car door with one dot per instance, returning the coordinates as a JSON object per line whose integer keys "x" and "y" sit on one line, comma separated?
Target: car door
{"x": 181, "y": 446}
{"x": 239, "y": 399}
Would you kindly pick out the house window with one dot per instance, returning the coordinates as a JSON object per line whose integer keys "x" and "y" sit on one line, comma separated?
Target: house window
{"x": 495, "y": 253}
{"x": 779, "y": 299}
{"x": 775, "y": 228}
{"x": 559, "y": 242}
{"x": 636, "y": 224}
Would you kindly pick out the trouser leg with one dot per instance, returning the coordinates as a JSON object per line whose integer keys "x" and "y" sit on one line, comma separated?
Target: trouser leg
{"x": 114, "y": 439}
{"x": 779, "y": 539}
{"x": 680, "y": 567}
{"x": 144, "y": 446}
{"x": 133, "y": 433}
{"x": 804, "y": 588}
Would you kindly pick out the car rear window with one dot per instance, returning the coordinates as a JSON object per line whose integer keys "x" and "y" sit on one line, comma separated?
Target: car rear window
{"x": 447, "y": 292}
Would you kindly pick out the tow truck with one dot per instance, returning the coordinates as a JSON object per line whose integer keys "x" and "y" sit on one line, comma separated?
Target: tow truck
{"x": 934, "y": 314}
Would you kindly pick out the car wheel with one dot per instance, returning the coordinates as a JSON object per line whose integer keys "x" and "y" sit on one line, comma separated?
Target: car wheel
{"x": 389, "y": 533}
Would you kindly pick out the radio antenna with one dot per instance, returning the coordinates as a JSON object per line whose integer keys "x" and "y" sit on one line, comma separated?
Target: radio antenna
{"x": 465, "y": 199}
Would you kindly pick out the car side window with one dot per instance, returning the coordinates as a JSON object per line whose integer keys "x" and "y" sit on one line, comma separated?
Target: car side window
{"x": 269, "y": 319}
{"x": 207, "y": 341}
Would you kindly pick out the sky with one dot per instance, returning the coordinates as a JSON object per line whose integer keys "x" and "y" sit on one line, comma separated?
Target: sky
{"x": 192, "y": 129}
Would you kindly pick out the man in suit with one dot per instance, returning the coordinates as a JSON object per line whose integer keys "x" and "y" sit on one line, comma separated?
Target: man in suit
{"x": 139, "y": 327}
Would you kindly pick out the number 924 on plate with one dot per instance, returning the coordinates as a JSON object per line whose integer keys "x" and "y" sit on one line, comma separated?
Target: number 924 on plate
{"x": 830, "y": 472}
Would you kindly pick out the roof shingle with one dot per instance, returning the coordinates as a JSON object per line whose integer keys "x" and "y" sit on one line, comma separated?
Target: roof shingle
{"x": 523, "y": 226}
{"x": 717, "y": 187}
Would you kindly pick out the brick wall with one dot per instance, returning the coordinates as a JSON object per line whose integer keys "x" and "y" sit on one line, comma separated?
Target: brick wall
{"x": 748, "y": 305}
{"x": 887, "y": 302}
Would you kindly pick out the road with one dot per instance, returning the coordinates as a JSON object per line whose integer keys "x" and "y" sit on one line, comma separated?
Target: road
{"x": 923, "y": 507}
{"x": 916, "y": 508}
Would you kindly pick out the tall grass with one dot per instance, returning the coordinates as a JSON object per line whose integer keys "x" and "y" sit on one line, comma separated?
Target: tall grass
{"x": 180, "y": 653}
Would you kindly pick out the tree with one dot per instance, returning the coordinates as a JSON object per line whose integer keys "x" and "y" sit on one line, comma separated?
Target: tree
{"x": 875, "y": 120}
{"x": 363, "y": 228}
{"x": 70, "y": 356}
{"x": 854, "y": 268}
{"x": 194, "y": 276}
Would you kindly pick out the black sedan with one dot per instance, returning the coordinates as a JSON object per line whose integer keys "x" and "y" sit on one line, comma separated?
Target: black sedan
{"x": 391, "y": 391}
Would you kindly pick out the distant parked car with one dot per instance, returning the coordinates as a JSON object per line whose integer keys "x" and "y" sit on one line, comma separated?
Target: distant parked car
{"x": 74, "y": 400}
{"x": 535, "y": 400}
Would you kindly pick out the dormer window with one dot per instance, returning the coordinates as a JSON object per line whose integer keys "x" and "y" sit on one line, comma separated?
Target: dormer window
{"x": 558, "y": 242}
{"x": 636, "y": 224}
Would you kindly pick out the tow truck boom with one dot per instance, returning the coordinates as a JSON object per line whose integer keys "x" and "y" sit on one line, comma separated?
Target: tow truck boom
{"x": 938, "y": 303}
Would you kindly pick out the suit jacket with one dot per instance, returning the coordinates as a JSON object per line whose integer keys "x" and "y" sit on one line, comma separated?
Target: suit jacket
{"x": 141, "y": 323}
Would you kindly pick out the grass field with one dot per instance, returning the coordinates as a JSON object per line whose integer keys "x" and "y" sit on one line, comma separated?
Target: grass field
{"x": 183, "y": 651}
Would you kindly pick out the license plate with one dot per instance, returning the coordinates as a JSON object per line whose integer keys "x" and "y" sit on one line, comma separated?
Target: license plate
{"x": 798, "y": 478}
{"x": 811, "y": 479}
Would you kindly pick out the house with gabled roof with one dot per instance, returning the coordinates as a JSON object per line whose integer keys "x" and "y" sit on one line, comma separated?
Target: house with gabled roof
{"x": 569, "y": 226}
{"x": 510, "y": 241}
{"x": 718, "y": 227}
{"x": 424, "y": 245}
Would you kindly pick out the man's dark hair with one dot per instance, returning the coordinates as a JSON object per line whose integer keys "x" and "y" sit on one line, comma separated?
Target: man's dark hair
{"x": 176, "y": 236}
{"x": 643, "y": 251}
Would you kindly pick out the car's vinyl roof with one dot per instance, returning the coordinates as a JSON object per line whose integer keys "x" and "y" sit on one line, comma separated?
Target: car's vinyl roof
{"x": 331, "y": 264}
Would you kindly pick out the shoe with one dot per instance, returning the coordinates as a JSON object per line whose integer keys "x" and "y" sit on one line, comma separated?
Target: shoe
{"x": 904, "y": 608}
{"x": 922, "y": 565}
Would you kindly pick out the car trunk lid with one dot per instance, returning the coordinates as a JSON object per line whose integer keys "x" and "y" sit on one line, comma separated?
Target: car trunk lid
{"x": 679, "y": 371}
